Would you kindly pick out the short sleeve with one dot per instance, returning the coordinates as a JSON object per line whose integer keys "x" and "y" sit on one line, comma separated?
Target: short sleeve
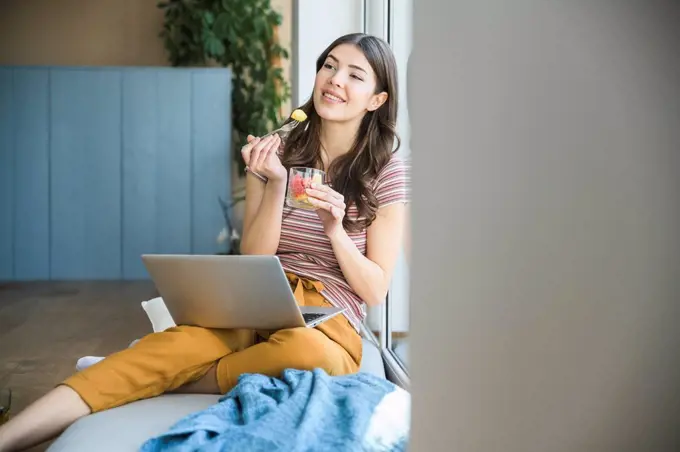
{"x": 393, "y": 183}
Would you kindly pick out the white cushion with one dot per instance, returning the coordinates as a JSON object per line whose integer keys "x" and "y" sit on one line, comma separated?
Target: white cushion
{"x": 126, "y": 428}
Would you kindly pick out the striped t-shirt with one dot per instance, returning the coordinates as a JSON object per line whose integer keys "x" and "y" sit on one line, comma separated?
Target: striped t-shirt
{"x": 304, "y": 249}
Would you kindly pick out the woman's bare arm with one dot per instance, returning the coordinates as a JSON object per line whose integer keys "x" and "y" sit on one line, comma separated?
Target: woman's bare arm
{"x": 262, "y": 220}
{"x": 370, "y": 275}
{"x": 264, "y": 198}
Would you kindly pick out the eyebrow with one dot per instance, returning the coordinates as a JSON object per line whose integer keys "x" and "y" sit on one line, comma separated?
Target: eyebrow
{"x": 354, "y": 66}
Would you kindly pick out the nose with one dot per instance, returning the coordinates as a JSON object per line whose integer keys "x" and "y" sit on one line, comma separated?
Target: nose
{"x": 337, "y": 79}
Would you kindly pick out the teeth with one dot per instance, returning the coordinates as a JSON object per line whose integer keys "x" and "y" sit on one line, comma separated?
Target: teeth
{"x": 332, "y": 97}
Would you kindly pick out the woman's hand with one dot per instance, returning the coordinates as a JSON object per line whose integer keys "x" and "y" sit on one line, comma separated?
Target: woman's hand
{"x": 330, "y": 206}
{"x": 261, "y": 157}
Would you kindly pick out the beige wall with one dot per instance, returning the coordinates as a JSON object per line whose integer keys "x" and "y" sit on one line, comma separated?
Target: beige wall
{"x": 81, "y": 32}
{"x": 285, "y": 7}
{"x": 93, "y": 32}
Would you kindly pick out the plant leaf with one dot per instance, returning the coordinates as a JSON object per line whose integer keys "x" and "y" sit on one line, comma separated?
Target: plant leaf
{"x": 208, "y": 17}
{"x": 222, "y": 25}
{"x": 275, "y": 18}
{"x": 237, "y": 34}
{"x": 213, "y": 46}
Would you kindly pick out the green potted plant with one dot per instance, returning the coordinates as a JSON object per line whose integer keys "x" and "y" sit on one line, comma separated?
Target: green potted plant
{"x": 240, "y": 35}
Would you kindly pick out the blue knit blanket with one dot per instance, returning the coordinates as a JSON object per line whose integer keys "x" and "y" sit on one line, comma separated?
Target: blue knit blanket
{"x": 301, "y": 411}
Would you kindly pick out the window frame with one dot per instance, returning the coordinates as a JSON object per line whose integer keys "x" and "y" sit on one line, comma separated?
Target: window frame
{"x": 378, "y": 17}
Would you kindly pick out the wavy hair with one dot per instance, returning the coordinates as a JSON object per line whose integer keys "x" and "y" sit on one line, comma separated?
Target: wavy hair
{"x": 352, "y": 174}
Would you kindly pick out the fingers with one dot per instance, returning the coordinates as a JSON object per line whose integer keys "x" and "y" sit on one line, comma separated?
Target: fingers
{"x": 247, "y": 150}
{"x": 256, "y": 147}
{"x": 327, "y": 189}
{"x": 251, "y": 149}
{"x": 257, "y": 150}
{"x": 274, "y": 146}
{"x": 326, "y": 193}
{"x": 269, "y": 144}
{"x": 326, "y": 198}
{"x": 334, "y": 210}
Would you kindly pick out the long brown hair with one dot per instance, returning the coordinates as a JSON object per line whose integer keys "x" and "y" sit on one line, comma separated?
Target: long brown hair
{"x": 352, "y": 174}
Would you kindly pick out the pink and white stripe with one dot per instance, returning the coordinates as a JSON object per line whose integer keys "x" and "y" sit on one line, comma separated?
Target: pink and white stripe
{"x": 305, "y": 250}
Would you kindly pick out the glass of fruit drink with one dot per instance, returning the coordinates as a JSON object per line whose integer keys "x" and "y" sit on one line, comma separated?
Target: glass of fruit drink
{"x": 299, "y": 180}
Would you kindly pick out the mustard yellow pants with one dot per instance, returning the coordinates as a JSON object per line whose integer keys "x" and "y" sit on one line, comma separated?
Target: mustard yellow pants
{"x": 164, "y": 361}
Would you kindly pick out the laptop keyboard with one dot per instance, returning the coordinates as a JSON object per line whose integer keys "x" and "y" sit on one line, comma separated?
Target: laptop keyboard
{"x": 311, "y": 317}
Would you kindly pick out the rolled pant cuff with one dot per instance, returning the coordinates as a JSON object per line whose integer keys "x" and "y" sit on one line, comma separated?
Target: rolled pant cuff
{"x": 90, "y": 395}
{"x": 224, "y": 378}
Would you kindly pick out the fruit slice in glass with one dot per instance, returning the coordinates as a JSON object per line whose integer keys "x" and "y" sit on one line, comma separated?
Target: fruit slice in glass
{"x": 299, "y": 179}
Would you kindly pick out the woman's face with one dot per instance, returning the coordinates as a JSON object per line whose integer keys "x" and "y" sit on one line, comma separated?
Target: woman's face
{"x": 344, "y": 88}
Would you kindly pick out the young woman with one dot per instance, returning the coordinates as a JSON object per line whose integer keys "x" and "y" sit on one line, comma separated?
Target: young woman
{"x": 341, "y": 254}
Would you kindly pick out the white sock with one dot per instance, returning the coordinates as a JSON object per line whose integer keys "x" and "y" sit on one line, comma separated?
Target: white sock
{"x": 87, "y": 361}
{"x": 160, "y": 320}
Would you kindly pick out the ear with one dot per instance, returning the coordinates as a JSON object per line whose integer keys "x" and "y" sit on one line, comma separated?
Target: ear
{"x": 377, "y": 101}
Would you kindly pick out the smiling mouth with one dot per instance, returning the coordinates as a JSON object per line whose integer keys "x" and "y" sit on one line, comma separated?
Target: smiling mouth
{"x": 331, "y": 98}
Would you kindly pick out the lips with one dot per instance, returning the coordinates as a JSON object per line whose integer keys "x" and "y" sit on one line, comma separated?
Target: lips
{"x": 332, "y": 97}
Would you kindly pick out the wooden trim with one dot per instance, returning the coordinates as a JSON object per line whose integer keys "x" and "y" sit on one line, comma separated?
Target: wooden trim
{"x": 276, "y": 61}
{"x": 395, "y": 334}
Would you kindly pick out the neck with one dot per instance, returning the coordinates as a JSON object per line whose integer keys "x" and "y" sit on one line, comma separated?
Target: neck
{"x": 337, "y": 138}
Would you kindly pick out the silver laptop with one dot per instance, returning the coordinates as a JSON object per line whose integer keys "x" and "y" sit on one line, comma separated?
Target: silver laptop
{"x": 215, "y": 291}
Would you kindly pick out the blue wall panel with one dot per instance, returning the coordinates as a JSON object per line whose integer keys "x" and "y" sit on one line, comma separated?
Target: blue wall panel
{"x": 6, "y": 176}
{"x": 156, "y": 166}
{"x": 31, "y": 147}
{"x": 86, "y": 174}
{"x": 211, "y": 157}
{"x": 173, "y": 166}
{"x": 101, "y": 165}
{"x": 140, "y": 125}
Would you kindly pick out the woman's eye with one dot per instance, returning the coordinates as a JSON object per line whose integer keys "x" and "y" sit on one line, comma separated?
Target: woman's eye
{"x": 357, "y": 77}
{"x": 328, "y": 66}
